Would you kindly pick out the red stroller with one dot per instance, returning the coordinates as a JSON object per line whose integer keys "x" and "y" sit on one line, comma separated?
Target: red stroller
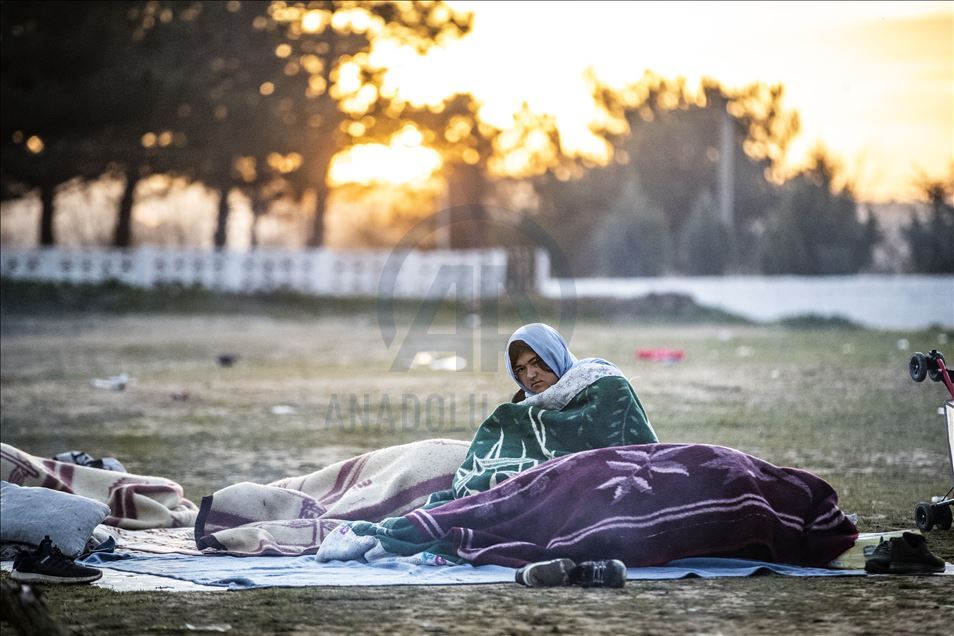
{"x": 939, "y": 510}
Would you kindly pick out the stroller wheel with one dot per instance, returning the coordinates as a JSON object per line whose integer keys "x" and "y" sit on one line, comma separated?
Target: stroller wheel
{"x": 918, "y": 367}
{"x": 943, "y": 516}
{"x": 934, "y": 369}
{"x": 924, "y": 516}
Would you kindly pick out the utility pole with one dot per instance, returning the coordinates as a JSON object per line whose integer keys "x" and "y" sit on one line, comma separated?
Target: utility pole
{"x": 726, "y": 178}
{"x": 726, "y": 170}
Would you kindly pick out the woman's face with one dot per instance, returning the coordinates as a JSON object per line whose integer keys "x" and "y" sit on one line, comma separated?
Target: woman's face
{"x": 533, "y": 373}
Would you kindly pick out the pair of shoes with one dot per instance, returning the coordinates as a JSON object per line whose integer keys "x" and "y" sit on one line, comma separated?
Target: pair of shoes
{"x": 85, "y": 459}
{"x": 907, "y": 554}
{"x": 48, "y": 565}
{"x": 546, "y": 573}
{"x": 611, "y": 573}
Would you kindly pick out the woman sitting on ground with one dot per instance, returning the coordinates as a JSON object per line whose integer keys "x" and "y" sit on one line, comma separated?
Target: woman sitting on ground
{"x": 573, "y": 472}
{"x": 563, "y": 406}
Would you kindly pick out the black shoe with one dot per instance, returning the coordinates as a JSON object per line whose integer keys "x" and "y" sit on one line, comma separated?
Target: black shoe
{"x": 48, "y": 565}
{"x": 610, "y": 573}
{"x": 907, "y": 554}
{"x": 546, "y": 573}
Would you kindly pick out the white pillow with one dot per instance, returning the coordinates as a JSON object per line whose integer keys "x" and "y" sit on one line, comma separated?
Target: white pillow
{"x": 29, "y": 514}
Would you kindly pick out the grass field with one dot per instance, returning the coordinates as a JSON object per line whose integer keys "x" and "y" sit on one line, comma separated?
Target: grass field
{"x": 835, "y": 401}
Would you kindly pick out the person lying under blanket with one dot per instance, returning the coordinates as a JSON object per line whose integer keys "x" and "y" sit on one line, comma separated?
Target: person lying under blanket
{"x": 563, "y": 406}
{"x": 570, "y": 469}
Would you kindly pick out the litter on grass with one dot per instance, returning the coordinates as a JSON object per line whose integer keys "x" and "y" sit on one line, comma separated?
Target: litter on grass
{"x": 114, "y": 383}
{"x": 661, "y": 355}
{"x": 430, "y": 360}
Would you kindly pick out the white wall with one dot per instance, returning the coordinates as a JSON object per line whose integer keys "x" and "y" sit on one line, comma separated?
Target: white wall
{"x": 879, "y": 301}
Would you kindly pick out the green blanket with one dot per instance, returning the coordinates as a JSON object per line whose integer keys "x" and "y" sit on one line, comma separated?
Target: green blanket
{"x": 517, "y": 437}
{"x": 592, "y": 406}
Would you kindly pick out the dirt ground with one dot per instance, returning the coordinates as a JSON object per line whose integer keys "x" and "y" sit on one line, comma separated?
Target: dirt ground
{"x": 767, "y": 604}
{"x": 834, "y": 401}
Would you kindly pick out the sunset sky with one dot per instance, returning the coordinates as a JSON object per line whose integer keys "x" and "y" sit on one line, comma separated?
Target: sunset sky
{"x": 872, "y": 81}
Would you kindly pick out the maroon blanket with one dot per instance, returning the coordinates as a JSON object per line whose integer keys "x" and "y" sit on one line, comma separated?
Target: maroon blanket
{"x": 645, "y": 505}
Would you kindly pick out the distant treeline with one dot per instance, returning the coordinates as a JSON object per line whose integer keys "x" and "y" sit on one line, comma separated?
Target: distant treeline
{"x": 258, "y": 97}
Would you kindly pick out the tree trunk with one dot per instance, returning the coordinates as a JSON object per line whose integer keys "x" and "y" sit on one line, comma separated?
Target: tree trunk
{"x": 122, "y": 236}
{"x": 318, "y": 179}
{"x": 259, "y": 209}
{"x": 467, "y": 216}
{"x": 47, "y": 192}
{"x": 317, "y": 236}
{"x": 222, "y": 222}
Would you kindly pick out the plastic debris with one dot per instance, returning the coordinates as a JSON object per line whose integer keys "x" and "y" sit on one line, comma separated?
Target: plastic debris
{"x": 661, "y": 355}
{"x": 903, "y": 344}
{"x": 283, "y": 409}
{"x": 452, "y": 363}
{"x": 428, "y": 360}
{"x": 115, "y": 383}
{"x": 422, "y": 359}
{"x": 227, "y": 359}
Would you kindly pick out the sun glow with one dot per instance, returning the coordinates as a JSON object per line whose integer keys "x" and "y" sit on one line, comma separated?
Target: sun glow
{"x": 403, "y": 160}
{"x": 872, "y": 81}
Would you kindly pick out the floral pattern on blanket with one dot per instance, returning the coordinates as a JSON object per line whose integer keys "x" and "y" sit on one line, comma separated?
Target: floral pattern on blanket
{"x": 646, "y": 505}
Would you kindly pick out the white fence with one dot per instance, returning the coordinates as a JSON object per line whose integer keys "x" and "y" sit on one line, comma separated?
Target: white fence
{"x": 886, "y": 302}
{"x": 410, "y": 274}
